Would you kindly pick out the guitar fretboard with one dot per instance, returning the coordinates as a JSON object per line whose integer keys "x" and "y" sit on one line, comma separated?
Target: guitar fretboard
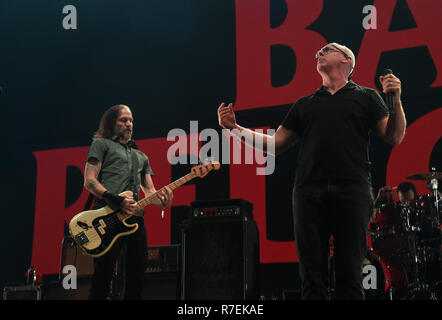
{"x": 177, "y": 183}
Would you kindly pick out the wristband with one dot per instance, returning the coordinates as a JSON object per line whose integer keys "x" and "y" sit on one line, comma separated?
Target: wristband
{"x": 113, "y": 200}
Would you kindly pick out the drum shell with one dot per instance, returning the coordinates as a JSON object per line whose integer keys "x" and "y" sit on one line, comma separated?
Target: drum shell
{"x": 392, "y": 280}
{"x": 388, "y": 219}
{"x": 425, "y": 211}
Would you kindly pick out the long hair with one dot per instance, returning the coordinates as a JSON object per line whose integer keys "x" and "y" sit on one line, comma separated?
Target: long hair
{"x": 106, "y": 128}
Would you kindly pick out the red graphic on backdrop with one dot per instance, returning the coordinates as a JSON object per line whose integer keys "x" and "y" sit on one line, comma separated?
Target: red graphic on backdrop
{"x": 412, "y": 156}
{"x": 426, "y": 14}
{"x": 254, "y": 38}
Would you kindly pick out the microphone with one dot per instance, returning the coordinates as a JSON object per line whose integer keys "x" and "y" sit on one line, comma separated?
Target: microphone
{"x": 389, "y": 96}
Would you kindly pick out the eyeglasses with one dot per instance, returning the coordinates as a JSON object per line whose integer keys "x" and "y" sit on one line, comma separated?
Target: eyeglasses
{"x": 329, "y": 48}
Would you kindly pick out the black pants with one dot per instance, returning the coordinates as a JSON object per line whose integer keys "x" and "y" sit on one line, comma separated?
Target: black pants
{"x": 321, "y": 210}
{"x": 135, "y": 265}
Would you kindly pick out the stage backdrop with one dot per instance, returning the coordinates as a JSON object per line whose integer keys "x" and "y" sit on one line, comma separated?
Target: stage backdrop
{"x": 63, "y": 63}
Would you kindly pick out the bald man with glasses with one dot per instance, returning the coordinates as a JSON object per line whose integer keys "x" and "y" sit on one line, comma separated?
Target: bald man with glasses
{"x": 332, "y": 194}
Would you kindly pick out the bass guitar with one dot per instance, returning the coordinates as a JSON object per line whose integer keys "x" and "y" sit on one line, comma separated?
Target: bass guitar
{"x": 95, "y": 231}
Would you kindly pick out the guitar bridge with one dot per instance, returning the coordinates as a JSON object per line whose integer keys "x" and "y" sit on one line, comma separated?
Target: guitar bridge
{"x": 81, "y": 238}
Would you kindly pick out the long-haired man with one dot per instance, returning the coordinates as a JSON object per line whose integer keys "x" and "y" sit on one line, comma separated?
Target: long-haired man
{"x": 115, "y": 164}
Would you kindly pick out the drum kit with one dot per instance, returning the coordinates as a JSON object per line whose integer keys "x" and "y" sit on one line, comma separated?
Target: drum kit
{"x": 406, "y": 246}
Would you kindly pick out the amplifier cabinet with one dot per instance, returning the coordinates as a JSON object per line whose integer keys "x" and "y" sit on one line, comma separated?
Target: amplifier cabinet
{"x": 220, "y": 259}
{"x": 22, "y": 293}
{"x": 163, "y": 271}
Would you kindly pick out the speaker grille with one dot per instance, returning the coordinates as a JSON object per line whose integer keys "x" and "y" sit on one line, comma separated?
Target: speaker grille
{"x": 220, "y": 258}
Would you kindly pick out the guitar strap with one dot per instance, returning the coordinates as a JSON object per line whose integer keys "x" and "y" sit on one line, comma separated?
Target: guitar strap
{"x": 89, "y": 201}
{"x": 135, "y": 178}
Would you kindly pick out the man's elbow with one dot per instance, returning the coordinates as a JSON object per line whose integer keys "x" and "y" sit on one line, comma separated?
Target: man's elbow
{"x": 89, "y": 184}
{"x": 282, "y": 147}
{"x": 395, "y": 140}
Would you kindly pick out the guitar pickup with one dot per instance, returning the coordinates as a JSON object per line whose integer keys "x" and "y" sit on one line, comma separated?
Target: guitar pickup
{"x": 102, "y": 226}
{"x": 81, "y": 238}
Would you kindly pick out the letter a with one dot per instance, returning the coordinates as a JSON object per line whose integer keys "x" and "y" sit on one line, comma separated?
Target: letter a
{"x": 177, "y": 153}
{"x": 70, "y": 21}
{"x": 70, "y": 280}
{"x": 370, "y": 280}
{"x": 369, "y": 21}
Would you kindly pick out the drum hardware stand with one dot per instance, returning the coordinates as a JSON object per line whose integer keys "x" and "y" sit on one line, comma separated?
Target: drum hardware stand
{"x": 421, "y": 286}
{"x": 406, "y": 213}
{"x": 390, "y": 293}
{"x": 434, "y": 186}
{"x": 331, "y": 267}
{"x": 118, "y": 281}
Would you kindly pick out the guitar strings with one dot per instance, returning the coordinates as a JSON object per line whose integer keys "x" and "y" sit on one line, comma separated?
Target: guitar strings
{"x": 109, "y": 221}
{"x": 113, "y": 219}
{"x": 146, "y": 199}
{"x": 95, "y": 234}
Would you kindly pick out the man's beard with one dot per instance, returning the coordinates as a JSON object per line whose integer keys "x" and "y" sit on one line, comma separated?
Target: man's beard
{"x": 125, "y": 134}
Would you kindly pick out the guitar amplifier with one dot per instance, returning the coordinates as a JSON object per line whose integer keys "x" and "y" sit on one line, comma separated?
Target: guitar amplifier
{"x": 53, "y": 290}
{"x": 163, "y": 259}
{"x": 163, "y": 271}
{"x": 221, "y": 208}
{"x": 72, "y": 255}
{"x": 22, "y": 293}
{"x": 220, "y": 259}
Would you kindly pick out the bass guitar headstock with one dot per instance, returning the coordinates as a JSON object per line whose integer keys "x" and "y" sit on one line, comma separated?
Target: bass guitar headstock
{"x": 203, "y": 169}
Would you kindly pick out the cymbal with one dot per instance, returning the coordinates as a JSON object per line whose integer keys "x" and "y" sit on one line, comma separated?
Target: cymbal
{"x": 425, "y": 176}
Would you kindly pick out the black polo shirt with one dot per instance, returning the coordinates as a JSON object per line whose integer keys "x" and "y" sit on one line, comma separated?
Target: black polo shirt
{"x": 334, "y": 133}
